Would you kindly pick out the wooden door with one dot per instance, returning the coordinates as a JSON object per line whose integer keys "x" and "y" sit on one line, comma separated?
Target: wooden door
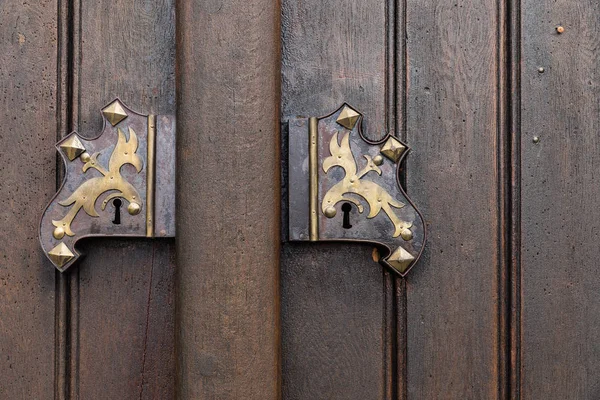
{"x": 501, "y": 110}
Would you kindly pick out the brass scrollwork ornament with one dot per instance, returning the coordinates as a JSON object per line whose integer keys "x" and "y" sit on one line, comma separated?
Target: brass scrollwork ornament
{"x": 112, "y": 186}
{"x": 344, "y": 187}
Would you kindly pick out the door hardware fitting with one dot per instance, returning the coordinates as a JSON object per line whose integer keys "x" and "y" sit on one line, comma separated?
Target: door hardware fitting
{"x": 345, "y": 187}
{"x": 121, "y": 183}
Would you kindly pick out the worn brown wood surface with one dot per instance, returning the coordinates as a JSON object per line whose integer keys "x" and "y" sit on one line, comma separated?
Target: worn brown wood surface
{"x": 452, "y": 124}
{"x": 337, "y": 313}
{"x": 433, "y": 71}
{"x": 452, "y": 300}
{"x": 123, "y": 292}
{"x": 28, "y": 64}
{"x": 228, "y": 219}
{"x": 560, "y": 351}
{"x": 335, "y": 52}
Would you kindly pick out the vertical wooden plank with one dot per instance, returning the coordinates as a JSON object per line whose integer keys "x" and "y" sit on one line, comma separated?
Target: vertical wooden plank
{"x": 452, "y": 303}
{"x": 125, "y": 297}
{"x": 338, "y": 324}
{"x": 336, "y": 312}
{"x": 560, "y": 200}
{"x": 28, "y": 65}
{"x": 229, "y": 195}
{"x": 335, "y": 52}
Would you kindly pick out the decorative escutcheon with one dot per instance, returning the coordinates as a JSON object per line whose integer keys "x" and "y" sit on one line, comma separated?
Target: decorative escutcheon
{"x": 122, "y": 183}
{"x": 344, "y": 187}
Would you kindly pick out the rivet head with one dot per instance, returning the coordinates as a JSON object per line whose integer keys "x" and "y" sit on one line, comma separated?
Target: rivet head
{"x": 85, "y": 157}
{"x": 560, "y": 29}
{"x": 330, "y": 212}
{"x": 536, "y": 139}
{"x": 406, "y": 234}
{"x": 133, "y": 208}
{"x": 541, "y": 70}
{"x": 378, "y": 160}
{"x": 58, "y": 233}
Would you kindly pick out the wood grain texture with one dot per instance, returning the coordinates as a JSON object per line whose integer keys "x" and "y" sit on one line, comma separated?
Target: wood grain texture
{"x": 335, "y": 52}
{"x": 126, "y": 321}
{"x": 28, "y": 65}
{"x": 125, "y": 300}
{"x": 338, "y": 323}
{"x": 27, "y": 166}
{"x": 560, "y": 201}
{"x": 229, "y": 194}
{"x": 452, "y": 296}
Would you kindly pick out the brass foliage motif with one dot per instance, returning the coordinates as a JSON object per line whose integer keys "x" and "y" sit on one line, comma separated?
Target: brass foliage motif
{"x": 334, "y": 172}
{"x": 85, "y": 195}
{"x": 98, "y": 171}
{"x": 375, "y": 195}
{"x": 120, "y": 183}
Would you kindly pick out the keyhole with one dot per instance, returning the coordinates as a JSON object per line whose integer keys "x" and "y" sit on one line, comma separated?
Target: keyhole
{"x": 117, "y": 203}
{"x": 346, "y": 208}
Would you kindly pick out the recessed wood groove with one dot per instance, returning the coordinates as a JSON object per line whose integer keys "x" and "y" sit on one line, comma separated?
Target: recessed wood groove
{"x": 509, "y": 178}
{"x": 397, "y": 117}
{"x": 394, "y": 112}
{"x": 66, "y": 321}
{"x": 63, "y": 104}
{"x": 401, "y": 392}
{"x": 504, "y": 217}
{"x": 514, "y": 61}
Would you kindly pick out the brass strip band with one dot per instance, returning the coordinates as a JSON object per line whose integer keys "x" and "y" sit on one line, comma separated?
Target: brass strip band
{"x": 150, "y": 177}
{"x": 313, "y": 171}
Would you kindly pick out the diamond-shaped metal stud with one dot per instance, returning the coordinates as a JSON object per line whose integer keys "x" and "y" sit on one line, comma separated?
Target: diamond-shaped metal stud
{"x": 401, "y": 260}
{"x": 60, "y": 255}
{"x": 393, "y": 149}
{"x": 114, "y": 113}
{"x": 348, "y": 117}
{"x": 72, "y": 147}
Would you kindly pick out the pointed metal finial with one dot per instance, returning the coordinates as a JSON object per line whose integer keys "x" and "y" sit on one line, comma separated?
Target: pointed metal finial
{"x": 393, "y": 149}
{"x": 72, "y": 147}
{"x": 114, "y": 113}
{"x": 60, "y": 255}
{"x": 401, "y": 260}
{"x": 348, "y": 117}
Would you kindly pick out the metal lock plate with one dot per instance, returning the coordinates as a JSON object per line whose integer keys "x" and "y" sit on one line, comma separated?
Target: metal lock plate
{"x": 122, "y": 183}
{"x": 344, "y": 187}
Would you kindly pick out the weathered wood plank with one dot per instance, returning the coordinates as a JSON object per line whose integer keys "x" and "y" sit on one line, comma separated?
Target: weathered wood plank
{"x": 452, "y": 303}
{"x": 126, "y": 322}
{"x": 229, "y": 195}
{"x": 126, "y": 298}
{"x": 337, "y": 303}
{"x": 334, "y": 320}
{"x": 560, "y": 200}
{"x": 28, "y": 65}
{"x": 335, "y": 52}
